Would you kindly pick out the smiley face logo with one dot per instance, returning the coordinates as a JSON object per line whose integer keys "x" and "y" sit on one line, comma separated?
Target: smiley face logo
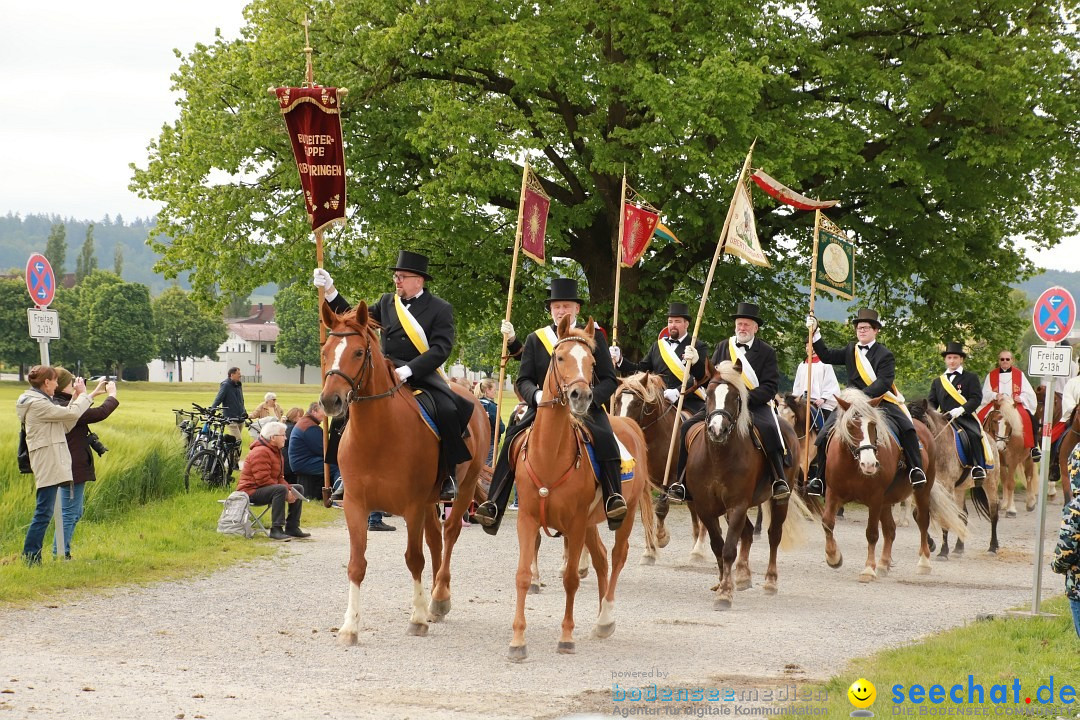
{"x": 862, "y": 693}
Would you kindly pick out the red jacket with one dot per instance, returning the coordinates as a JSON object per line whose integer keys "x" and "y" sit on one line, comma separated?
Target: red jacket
{"x": 262, "y": 467}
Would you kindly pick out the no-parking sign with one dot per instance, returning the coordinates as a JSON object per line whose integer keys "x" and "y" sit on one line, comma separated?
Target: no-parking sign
{"x": 40, "y": 281}
{"x": 1054, "y": 314}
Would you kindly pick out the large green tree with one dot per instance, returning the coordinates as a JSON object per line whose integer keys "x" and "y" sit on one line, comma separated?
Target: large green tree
{"x": 120, "y": 325}
{"x": 16, "y": 346}
{"x": 86, "y": 262}
{"x": 75, "y": 348}
{"x": 944, "y": 130}
{"x": 56, "y": 249}
{"x": 184, "y": 330}
{"x": 296, "y": 313}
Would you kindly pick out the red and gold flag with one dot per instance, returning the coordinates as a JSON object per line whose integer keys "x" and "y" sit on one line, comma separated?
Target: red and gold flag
{"x": 534, "y": 212}
{"x": 638, "y": 227}
{"x": 314, "y": 125}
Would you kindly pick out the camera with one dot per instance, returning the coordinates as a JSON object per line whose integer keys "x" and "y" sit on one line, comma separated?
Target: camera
{"x": 94, "y": 442}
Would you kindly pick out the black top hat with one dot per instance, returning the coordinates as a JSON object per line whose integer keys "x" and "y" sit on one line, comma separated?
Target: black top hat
{"x": 866, "y": 315}
{"x": 678, "y": 309}
{"x": 563, "y": 289}
{"x": 747, "y": 310}
{"x": 954, "y": 348}
{"x": 412, "y": 262}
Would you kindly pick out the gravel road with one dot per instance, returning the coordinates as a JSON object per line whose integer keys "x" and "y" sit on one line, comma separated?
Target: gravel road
{"x": 259, "y": 640}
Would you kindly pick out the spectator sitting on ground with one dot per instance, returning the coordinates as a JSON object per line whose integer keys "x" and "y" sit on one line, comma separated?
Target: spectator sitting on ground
{"x": 306, "y": 448}
{"x": 291, "y": 417}
{"x": 263, "y": 479}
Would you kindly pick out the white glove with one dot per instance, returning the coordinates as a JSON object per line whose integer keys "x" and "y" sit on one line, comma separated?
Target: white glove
{"x": 403, "y": 373}
{"x": 690, "y": 355}
{"x": 616, "y": 355}
{"x": 956, "y": 412}
{"x": 536, "y": 398}
{"x": 507, "y": 329}
{"x": 811, "y": 322}
{"x": 321, "y": 278}
{"x": 672, "y": 395}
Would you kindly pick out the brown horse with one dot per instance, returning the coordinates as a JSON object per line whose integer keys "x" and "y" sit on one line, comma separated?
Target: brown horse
{"x": 389, "y": 461}
{"x": 558, "y": 489}
{"x": 640, "y": 398}
{"x": 1055, "y": 472}
{"x": 727, "y": 475}
{"x": 1003, "y": 423}
{"x": 952, "y": 474}
{"x": 863, "y": 465}
{"x": 1068, "y": 442}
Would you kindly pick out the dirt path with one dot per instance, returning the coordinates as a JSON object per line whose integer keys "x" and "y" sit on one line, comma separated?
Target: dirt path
{"x": 258, "y": 640}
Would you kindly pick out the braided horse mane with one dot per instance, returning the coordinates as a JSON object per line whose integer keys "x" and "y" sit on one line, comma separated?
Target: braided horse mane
{"x": 859, "y": 406}
{"x": 727, "y": 372}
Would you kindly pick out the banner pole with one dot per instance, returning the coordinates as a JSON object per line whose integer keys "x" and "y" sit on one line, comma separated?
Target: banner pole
{"x": 720, "y": 244}
{"x": 618, "y": 261}
{"x": 503, "y": 359}
{"x": 326, "y": 490}
{"x": 810, "y": 349}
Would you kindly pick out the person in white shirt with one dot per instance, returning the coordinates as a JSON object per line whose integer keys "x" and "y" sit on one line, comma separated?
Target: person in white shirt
{"x": 1006, "y": 380}
{"x": 823, "y": 389}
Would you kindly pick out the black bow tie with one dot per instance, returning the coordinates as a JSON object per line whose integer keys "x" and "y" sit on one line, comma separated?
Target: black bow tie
{"x": 864, "y": 348}
{"x": 744, "y": 346}
{"x": 951, "y": 374}
{"x": 673, "y": 341}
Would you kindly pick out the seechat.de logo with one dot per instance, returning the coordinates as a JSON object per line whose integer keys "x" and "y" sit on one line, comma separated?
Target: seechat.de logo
{"x": 862, "y": 695}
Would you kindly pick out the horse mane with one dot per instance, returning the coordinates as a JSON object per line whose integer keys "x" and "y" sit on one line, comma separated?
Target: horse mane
{"x": 727, "y": 372}
{"x": 371, "y": 327}
{"x": 649, "y": 385}
{"x": 1011, "y": 415}
{"x": 576, "y": 332}
{"x": 859, "y": 406}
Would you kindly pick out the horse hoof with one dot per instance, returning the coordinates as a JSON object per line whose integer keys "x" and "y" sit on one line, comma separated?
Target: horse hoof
{"x": 722, "y": 603}
{"x": 518, "y": 653}
{"x": 883, "y": 571}
{"x": 417, "y": 629}
{"x": 923, "y": 569}
{"x": 743, "y": 585}
{"x": 958, "y": 552}
{"x": 534, "y": 589}
{"x": 943, "y": 555}
{"x": 834, "y": 565}
{"x": 566, "y": 648}
{"x": 769, "y": 588}
{"x": 663, "y": 538}
{"x": 439, "y": 609}
{"x": 867, "y": 576}
{"x": 583, "y": 573}
{"x": 992, "y": 549}
{"x": 604, "y": 631}
{"x": 348, "y": 638}
{"x": 1010, "y": 513}
{"x": 648, "y": 559}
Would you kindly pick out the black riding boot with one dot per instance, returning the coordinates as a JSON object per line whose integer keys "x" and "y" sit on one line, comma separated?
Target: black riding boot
{"x": 677, "y": 490}
{"x": 611, "y": 486}
{"x": 815, "y": 482}
{"x": 978, "y": 462}
{"x": 780, "y": 489}
{"x": 491, "y": 511}
{"x": 909, "y": 440}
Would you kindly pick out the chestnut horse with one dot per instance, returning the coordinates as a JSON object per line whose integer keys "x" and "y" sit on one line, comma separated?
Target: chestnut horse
{"x": 727, "y": 475}
{"x": 557, "y": 486}
{"x": 951, "y": 474}
{"x": 1059, "y": 469}
{"x": 1003, "y": 424}
{"x": 389, "y": 461}
{"x": 1055, "y": 471}
{"x": 640, "y": 398}
{"x": 863, "y": 465}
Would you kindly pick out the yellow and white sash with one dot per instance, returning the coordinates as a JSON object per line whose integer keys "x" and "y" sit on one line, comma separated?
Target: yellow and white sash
{"x": 866, "y": 372}
{"x": 674, "y": 365}
{"x": 548, "y": 337}
{"x": 412, "y": 328}
{"x": 951, "y": 389}
{"x": 749, "y": 375}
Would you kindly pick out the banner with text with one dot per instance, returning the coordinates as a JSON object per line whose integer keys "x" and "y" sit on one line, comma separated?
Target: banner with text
{"x": 835, "y": 259}
{"x": 314, "y": 125}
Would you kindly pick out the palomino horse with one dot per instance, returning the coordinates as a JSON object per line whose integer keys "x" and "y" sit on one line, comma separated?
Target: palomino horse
{"x": 1004, "y": 425}
{"x": 863, "y": 465}
{"x": 727, "y": 475}
{"x": 640, "y": 398}
{"x": 951, "y": 474}
{"x": 558, "y": 489}
{"x": 389, "y": 458}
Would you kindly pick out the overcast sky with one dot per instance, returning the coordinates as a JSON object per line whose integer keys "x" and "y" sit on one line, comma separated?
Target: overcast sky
{"x": 88, "y": 88}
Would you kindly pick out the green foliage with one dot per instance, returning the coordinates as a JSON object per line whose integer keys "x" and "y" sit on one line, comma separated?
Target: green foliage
{"x": 120, "y": 324}
{"x": 185, "y": 330}
{"x": 118, "y": 260}
{"x": 56, "y": 249}
{"x": 86, "y": 263}
{"x": 16, "y": 345}
{"x": 296, "y": 313}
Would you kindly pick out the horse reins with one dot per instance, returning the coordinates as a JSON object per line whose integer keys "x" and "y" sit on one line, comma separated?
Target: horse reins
{"x": 724, "y": 413}
{"x": 356, "y": 383}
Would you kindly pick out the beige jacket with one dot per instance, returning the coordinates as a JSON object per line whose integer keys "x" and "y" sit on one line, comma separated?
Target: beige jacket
{"x": 46, "y": 427}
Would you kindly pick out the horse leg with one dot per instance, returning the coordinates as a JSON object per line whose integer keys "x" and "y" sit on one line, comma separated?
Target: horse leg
{"x": 605, "y": 619}
{"x": 922, "y": 519}
{"x": 534, "y": 569}
{"x": 594, "y": 549}
{"x": 1032, "y": 481}
{"x": 888, "y": 531}
{"x": 778, "y": 516}
{"x": 833, "y": 557}
{"x": 451, "y": 531}
{"x": 873, "y": 520}
{"x": 943, "y": 554}
{"x": 528, "y": 542}
{"x": 737, "y": 521}
{"x": 356, "y": 520}
{"x": 440, "y": 565}
{"x": 698, "y": 533}
{"x": 758, "y": 521}
{"x": 575, "y": 542}
{"x": 742, "y": 565}
{"x": 995, "y": 509}
{"x": 662, "y": 507}
{"x": 583, "y": 563}
{"x": 414, "y": 560}
{"x": 716, "y": 542}
{"x": 961, "y": 502}
{"x": 1008, "y": 485}
{"x": 905, "y": 511}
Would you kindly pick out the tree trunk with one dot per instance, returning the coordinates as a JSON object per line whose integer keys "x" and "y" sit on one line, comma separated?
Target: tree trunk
{"x": 179, "y": 369}
{"x": 22, "y": 373}
{"x": 301, "y": 373}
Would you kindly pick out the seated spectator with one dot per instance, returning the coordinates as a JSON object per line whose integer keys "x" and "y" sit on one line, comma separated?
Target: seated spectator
{"x": 306, "y": 450}
{"x": 291, "y": 417}
{"x": 268, "y": 408}
{"x": 263, "y": 479}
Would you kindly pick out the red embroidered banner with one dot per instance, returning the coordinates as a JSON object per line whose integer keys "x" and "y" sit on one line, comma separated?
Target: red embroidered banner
{"x": 638, "y": 227}
{"x": 534, "y": 223}
{"x": 314, "y": 124}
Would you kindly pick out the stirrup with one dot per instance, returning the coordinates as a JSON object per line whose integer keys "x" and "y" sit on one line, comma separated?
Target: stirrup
{"x": 780, "y": 490}
{"x": 615, "y": 507}
{"x": 676, "y": 492}
{"x": 481, "y": 515}
{"x": 1036, "y": 454}
{"x": 978, "y": 474}
{"x": 917, "y": 477}
{"x": 815, "y": 487}
{"x": 448, "y": 491}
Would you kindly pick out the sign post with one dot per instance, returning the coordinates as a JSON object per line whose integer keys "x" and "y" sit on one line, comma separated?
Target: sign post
{"x": 1053, "y": 318}
{"x": 44, "y": 326}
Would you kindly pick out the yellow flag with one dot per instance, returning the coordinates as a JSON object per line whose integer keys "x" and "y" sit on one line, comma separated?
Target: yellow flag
{"x": 742, "y": 239}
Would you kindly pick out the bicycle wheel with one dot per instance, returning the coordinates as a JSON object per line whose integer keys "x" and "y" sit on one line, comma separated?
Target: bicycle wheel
{"x": 208, "y": 467}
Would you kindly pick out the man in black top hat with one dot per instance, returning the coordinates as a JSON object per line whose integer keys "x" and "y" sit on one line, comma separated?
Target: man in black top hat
{"x": 417, "y": 335}
{"x": 761, "y": 373}
{"x": 666, "y": 359}
{"x": 957, "y": 393}
{"x": 873, "y": 372}
{"x": 535, "y": 359}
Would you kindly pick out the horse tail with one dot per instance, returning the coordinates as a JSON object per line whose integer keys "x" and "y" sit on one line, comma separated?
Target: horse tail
{"x": 981, "y": 503}
{"x": 944, "y": 511}
{"x": 798, "y": 513}
{"x": 647, "y": 514}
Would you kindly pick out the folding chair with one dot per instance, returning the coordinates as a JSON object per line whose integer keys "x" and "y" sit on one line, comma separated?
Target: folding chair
{"x": 257, "y": 524}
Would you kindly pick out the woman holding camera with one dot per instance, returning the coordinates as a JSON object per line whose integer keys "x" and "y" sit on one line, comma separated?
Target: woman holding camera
{"x": 46, "y": 424}
{"x": 80, "y": 441}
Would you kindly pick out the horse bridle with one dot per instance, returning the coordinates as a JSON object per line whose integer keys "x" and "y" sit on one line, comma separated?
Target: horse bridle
{"x": 867, "y": 445}
{"x": 722, "y": 412}
{"x": 355, "y": 383}
{"x": 562, "y": 390}
{"x": 1001, "y": 421}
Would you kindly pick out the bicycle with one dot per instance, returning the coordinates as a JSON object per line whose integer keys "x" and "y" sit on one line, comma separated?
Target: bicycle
{"x": 218, "y": 452}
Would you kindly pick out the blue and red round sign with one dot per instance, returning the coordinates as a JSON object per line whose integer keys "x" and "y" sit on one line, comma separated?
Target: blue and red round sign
{"x": 1054, "y": 314}
{"x": 40, "y": 281}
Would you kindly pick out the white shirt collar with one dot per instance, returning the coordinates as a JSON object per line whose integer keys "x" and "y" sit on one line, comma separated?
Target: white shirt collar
{"x": 749, "y": 343}
{"x": 959, "y": 370}
{"x": 867, "y": 345}
{"x": 413, "y": 298}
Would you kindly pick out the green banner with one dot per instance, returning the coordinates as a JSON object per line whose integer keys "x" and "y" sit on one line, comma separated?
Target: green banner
{"x": 836, "y": 264}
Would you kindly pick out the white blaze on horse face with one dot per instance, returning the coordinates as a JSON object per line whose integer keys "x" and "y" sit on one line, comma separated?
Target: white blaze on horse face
{"x": 716, "y": 422}
{"x": 1001, "y": 433}
{"x": 579, "y": 352}
{"x": 622, "y": 409}
{"x": 338, "y": 352}
{"x": 868, "y": 461}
